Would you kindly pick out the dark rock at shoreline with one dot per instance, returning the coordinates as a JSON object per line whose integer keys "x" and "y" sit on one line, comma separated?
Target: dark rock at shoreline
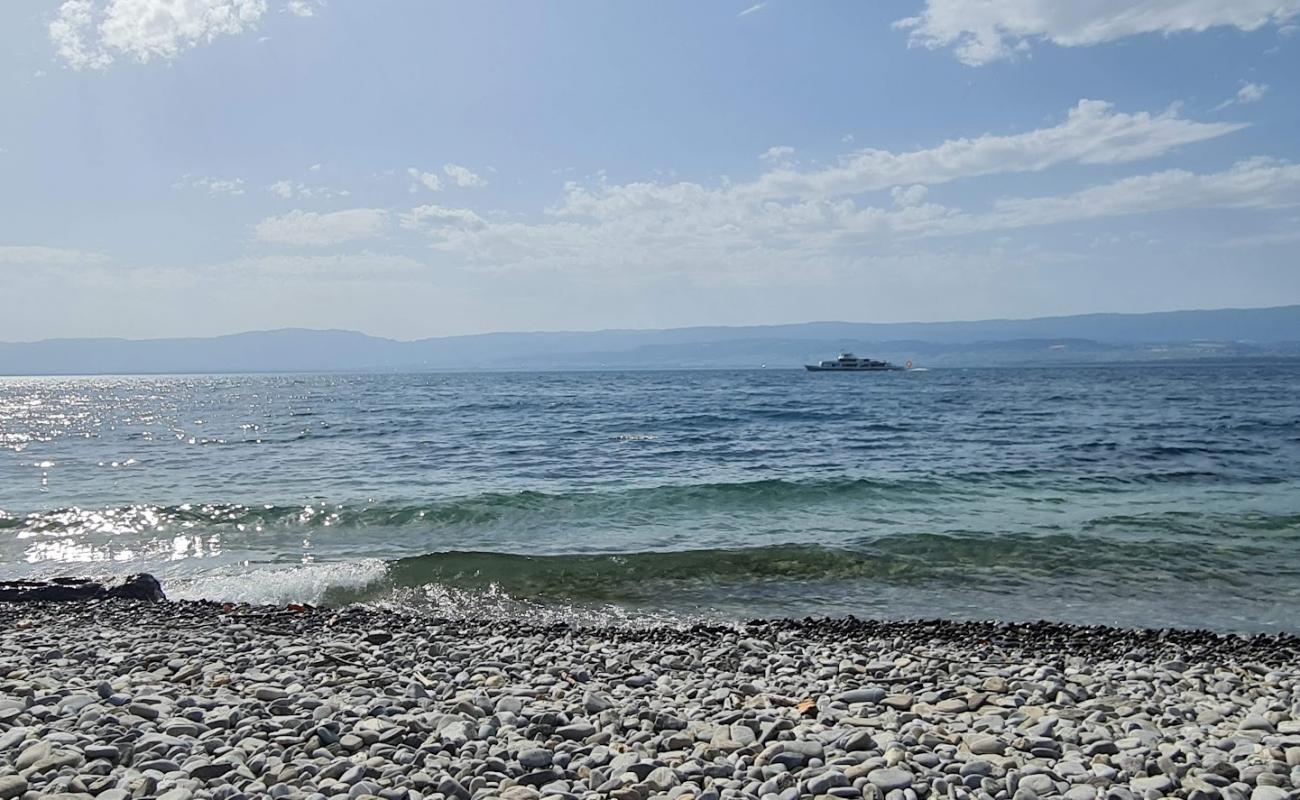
{"x": 135, "y": 587}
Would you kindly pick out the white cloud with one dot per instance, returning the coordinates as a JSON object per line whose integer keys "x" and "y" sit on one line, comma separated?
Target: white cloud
{"x": 906, "y": 197}
{"x": 790, "y": 216}
{"x": 290, "y": 189}
{"x": 983, "y": 31}
{"x": 1259, "y": 183}
{"x": 777, "y": 153}
{"x": 1092, "y": 133}
{"x": 37, "y": 255}
{"x": 463, "y": 176}
{"x": 428, "y": 180}
{"x": 1251, "y": 93}
{"x": 441, "y": 218}
{"x": 752, "y": 9}
{"x": 90, "y": 34}
{"x": 301, "y": 8}
{"x": 654, "y": 228}
{"x": 1248, "y": 93}
{"x": 213, "y": 186}
{"x": 311, "y": 229}
{"x": 694, "y": 232}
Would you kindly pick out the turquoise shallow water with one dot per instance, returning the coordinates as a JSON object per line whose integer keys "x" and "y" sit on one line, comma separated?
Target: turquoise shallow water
{"x": 1151, "y": 495}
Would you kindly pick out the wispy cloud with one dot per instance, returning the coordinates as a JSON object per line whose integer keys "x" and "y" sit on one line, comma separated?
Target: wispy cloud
{"x": 1248, "y": 93}
{"x": 792, "y": 218}
{"x": 987, "y": 31}
{"x": 429, "y": 180}
{"x": 38, "y": 255}
{"x": 289, "y": 189}
{"x": 311, "y": 229}
{"x": 1093, "y": 132}
{"x": 463, "y": 177}
{"x": 214, "y": 186}
{"x": 754, "y": 9}
{"x": 301, "y": 8}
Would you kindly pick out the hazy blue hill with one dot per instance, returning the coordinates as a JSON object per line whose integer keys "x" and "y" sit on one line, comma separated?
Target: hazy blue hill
{"x": 257, "y": 351}
{"x": 1236, "y": 333}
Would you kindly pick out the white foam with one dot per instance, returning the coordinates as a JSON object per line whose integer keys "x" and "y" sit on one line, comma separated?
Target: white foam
{"x": 277, "y": 585}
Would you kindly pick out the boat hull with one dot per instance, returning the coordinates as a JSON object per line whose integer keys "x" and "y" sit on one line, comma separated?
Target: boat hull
{"x": 819, "y": 368}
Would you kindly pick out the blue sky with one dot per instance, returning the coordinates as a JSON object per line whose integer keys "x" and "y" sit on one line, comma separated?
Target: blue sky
{"x": 413, "y": 168}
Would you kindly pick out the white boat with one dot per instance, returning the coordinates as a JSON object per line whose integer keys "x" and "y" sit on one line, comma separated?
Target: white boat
{"x": 847, "y": 362}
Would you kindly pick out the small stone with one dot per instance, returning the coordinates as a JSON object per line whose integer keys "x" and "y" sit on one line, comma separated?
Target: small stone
{"x": 12, "y": 786}
{"x": 163, "y": 765}
{"x": 269, "y": 694}
{"x": 576, "y": 731}
{"x": 1101, "y": 747}
{"x": 535, "y": 758}
{"x": 1040, "y": 785}
{"x": 27, "y": 758}
{"x": 661, "y": 779}
{"x": 872, "y": 694}
{"x": 902, "y": 702}
{"x": 986, "y": 746}
{"x": 353, "y": 775}
{"x": 105, "y": 751}
{"x": 350, "y": 742}
{"x": 450, "y": 787}
{"x": 1156, "y": 783}
{"x": 56, "y": 760}
{"x": 379, "y": 637}
{"x": 595, "y": 702}
{"x": 832, "y": 779}
{"x": 1254, "y": 722}
{"x": 10, "y": 738}
{"x": 206, "y": 772}
{"x": 74, "y": 703}
{"x": 890, "y": 778}
{"x": 143, "y": 710}
{"x": 742, "y": 735}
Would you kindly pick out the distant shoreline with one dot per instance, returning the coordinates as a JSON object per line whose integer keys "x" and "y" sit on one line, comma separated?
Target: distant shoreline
{"x": 1216, "y": 361}
{"x": 1089, "y": 338}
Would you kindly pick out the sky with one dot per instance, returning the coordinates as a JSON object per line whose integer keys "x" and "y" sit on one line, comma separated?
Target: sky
{"x": 415, "y": 168}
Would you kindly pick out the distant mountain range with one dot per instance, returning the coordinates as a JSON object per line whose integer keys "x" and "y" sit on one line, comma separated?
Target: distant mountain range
{"x": 1176, "y": 335}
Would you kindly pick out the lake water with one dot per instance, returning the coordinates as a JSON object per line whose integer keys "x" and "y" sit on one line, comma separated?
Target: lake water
{"x": 1137, "y": 495}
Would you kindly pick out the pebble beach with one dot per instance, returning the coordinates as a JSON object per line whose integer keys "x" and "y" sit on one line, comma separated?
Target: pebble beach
{"x": 125, "y": 699}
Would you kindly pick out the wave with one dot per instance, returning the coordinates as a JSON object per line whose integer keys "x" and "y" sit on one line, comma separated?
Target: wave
{"x": 759, "y": 495}
{"x": 306, "y": 583}
{"x": 912, "y": 559}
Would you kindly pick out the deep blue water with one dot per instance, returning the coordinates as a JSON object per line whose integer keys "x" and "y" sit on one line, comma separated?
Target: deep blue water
{"x": 1141, "y": 495}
